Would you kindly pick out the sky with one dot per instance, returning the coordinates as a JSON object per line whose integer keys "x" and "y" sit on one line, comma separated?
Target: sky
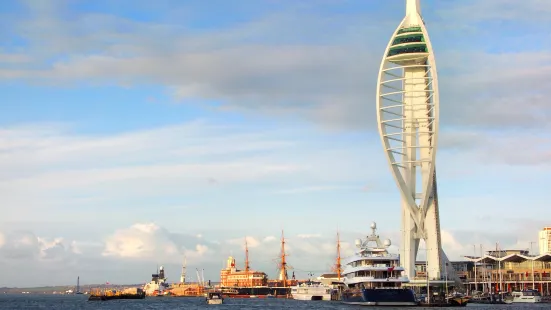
{"x": 134, "y": 133}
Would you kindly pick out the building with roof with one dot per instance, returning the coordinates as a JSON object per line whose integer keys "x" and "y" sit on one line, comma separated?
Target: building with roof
{"x": 545, "y": 240}
{"x": 510, "y": 270}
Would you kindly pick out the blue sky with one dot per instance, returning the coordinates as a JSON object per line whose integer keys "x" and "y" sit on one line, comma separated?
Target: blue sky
{"x": 134, "y": 132}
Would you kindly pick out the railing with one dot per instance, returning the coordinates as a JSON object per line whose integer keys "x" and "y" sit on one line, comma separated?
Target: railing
{"x": 410, "y": 29}
{"x": 367, "y": 279}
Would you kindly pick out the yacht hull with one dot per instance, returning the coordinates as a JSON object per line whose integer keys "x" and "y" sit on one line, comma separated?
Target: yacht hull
{"x": 311, "y": 297}
{"x": 396, "y": 297}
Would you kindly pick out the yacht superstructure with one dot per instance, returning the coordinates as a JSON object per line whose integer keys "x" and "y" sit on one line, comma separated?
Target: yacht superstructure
{"x": 374, "y": 277}
{"x": 527, "y": 296}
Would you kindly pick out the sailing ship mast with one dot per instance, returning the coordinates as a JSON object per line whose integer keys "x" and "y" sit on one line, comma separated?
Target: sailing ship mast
{"x": 283, "y": 262}
{"x": 249, "y": 281}
{"x": 338, "y": 267}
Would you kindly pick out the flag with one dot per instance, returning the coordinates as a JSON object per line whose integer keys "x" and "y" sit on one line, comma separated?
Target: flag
{"x": 107, "y": 283}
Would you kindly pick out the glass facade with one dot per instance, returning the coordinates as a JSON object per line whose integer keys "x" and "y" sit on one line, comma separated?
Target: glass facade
{"x": 410, "y": 29}
{"x": 408, "y": 39}
{"x": 408, "y": 49}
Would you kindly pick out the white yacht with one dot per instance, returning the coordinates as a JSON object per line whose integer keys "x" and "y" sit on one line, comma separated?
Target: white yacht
{"x": 374, "y": 277}
{"x": 527, "y": 296}
{"x": 312, "y": 291}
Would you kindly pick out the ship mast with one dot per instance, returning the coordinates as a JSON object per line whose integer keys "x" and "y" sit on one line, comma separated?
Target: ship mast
{"x": 283, "y": 268}
{"x": 338, "y": 266}
{"x": 249, "y": 281}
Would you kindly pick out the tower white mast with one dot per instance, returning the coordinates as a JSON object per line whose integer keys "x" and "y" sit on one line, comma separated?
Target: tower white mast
{"x": 407, "y": 115}
{"x": 183, "y": 275}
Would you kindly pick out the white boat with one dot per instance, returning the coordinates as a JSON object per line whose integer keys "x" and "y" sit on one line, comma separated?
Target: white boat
{"x": 527, "y": 296}
{"x": 374, "y": 277}
{"x": 214, "y": 298}
{"x": 312, "y": 291}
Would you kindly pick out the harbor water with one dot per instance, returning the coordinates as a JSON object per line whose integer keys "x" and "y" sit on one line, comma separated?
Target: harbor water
{"x": 69, "y": 302}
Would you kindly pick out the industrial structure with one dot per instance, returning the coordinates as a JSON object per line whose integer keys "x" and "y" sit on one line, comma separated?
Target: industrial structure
{"x": 407, "y": 115}
{"x": 183, "y": 274}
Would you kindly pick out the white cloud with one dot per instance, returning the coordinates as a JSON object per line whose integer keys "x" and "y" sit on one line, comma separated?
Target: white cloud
{"x": 150, "y": 242}
{"x": 309, "y": 189}
{"x": 25, "y": 245}
{"x": 308, "y": 236}
{"x": 251, "y": 242}
{"x": 321, "y": 78}
{"x": 141, "y": 240}
{"x": 128, "y": 251}
{"x": 2, "y": 240}
{"x": 199, "y": 251}
{"x": 450, "y": 244}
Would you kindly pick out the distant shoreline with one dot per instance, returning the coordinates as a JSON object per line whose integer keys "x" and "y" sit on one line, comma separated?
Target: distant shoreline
{"x": 60, "y": 289}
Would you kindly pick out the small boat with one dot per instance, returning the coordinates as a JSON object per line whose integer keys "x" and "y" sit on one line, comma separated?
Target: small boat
{"x": 526, "y": 296}
{"x": 214, "y": 298}
{"x": 312, "y": 291}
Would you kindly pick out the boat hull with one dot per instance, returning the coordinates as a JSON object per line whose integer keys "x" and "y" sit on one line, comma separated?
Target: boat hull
{"x": 112, "y": 297}
{"x": 532, "y": 300}
{"x": 396, "y": 297}
{"x": 311, "y": 297}
{"x": 256, "y": 292}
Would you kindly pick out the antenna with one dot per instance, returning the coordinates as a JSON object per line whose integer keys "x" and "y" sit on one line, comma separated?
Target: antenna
{"x": 183, "y": 275}
{"x": 246, "y": 256}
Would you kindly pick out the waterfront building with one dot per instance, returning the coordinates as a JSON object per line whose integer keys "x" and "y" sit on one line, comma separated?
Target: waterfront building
{"x": 510, "y": 270}
{"x": 231, "y": 276}
{"x": 545, "y": 240}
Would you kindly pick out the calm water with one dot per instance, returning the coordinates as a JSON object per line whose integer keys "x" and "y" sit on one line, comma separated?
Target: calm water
{"x": 64, "y": 302}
